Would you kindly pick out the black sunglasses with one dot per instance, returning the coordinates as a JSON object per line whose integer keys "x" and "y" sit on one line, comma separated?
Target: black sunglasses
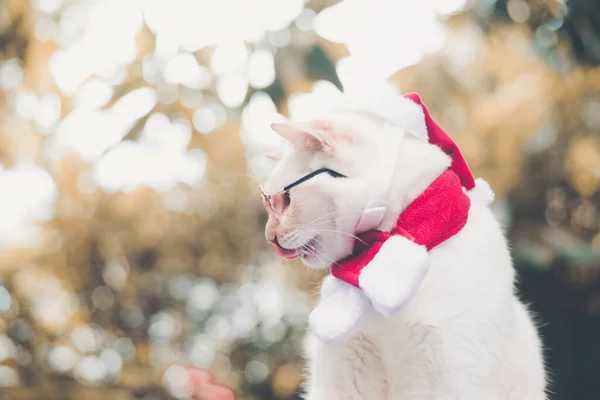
{"x": 306, "y": 177}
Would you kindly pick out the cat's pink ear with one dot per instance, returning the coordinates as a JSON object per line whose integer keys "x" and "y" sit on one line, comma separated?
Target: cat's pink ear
{"x": 308, "y": 137}
{"x": 273, "y": 156}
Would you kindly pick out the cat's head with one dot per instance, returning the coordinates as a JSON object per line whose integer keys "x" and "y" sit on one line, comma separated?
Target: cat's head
{"x": 317, "y": 218}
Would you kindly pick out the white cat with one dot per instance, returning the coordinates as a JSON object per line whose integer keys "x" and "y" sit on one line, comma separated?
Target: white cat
{"x": 456, "y": 330}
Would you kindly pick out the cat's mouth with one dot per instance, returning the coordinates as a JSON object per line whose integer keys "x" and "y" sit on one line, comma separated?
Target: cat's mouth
{"x": 305, "y": 250}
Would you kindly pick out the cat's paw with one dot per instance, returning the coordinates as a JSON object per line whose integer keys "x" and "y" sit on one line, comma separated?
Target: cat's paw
{"x": 394, "y": 274}
{"x": 339, "y": 314}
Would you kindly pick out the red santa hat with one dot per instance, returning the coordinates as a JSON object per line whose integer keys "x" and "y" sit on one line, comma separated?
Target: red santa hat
{"x": 409, "y": 113}
{"x": 438, "y": 137}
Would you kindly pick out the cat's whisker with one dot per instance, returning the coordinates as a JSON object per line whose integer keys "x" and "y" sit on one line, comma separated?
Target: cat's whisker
{"x": 332, "y": 231}
{"x": 318, "y": 241}
{"x": 323, "y": 254}
{"x": 342, "y": 215}
{"x": 320, "y": 217}
{"x": 309, "y": 246}
{"x": 314, "y": 254}
{"x": 331, "y": 220}
{"x": 303, "y": 226}
{"x": 332, "y": 213}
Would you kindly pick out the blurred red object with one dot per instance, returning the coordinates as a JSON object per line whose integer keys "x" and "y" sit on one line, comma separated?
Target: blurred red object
{"x": 205, "y": 387}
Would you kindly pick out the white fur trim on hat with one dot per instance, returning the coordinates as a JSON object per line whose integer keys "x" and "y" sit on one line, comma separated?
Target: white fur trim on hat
{"x": 482, "y": 192}
{"x": 402, "y": 112}
{"x": 390, "y": 107}
{"x": 339, "y": 314}
{"x": 394, "y": 274}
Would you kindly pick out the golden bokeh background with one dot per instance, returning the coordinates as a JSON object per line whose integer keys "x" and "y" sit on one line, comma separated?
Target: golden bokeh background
{"x": 132, "y": 135}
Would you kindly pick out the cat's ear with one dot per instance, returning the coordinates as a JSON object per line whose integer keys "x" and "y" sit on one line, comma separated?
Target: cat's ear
{"x": 273, "y": 156}
{"x": 308, "y": 137}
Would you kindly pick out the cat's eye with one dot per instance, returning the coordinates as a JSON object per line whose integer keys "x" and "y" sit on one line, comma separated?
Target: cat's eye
{"x": 287, "y": 188}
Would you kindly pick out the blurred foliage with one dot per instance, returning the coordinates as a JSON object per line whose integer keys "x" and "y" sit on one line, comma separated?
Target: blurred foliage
{"x": 130, "y": 226}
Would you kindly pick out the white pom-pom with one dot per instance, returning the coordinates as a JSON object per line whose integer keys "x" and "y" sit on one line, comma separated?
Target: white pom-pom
{"x": 387, "y": 286}
{"x": 481, "y": 193}
{"x": 340, "y": 314}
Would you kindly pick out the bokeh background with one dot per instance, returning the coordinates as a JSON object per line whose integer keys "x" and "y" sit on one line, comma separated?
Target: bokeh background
{"x": 132, "y": 136}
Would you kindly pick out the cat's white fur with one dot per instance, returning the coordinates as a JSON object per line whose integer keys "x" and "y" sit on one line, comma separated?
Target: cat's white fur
{"x": 464, "y": 334}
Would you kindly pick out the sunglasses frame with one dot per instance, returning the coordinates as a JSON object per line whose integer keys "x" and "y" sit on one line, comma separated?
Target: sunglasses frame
{"x": 306, "y": 177}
